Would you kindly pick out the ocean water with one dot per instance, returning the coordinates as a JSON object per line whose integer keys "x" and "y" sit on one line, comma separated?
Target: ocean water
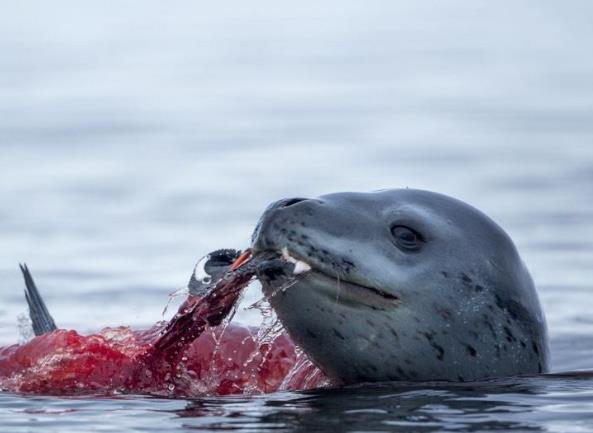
{"x": 136, "y": 137}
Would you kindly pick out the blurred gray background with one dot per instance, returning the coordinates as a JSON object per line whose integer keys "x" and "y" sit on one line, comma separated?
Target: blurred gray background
{"x": 136, "y": 136}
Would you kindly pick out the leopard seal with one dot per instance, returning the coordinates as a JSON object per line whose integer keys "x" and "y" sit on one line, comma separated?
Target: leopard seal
{"x": 402, "y": 284}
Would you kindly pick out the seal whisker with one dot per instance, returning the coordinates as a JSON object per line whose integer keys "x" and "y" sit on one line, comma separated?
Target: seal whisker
{"x": 282, "y": 288}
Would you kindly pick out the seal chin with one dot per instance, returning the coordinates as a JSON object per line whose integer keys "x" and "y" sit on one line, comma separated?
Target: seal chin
{"x": 335, "y": 288}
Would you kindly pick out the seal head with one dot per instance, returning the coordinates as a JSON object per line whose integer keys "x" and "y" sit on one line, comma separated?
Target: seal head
{"x": 401, "y": 285}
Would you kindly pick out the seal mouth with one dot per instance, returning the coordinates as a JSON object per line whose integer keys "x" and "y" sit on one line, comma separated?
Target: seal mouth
{"x": 340, "y": 290}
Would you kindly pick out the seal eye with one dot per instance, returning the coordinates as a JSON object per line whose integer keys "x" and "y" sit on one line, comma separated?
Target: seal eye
{"x": 406, "y": 238}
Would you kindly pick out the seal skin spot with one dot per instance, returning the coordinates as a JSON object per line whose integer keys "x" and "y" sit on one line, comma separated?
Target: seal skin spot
{"x": 469, "y": 283}
{"x": 534, "y": 348}
{"x": 311, "y": 334}
{"x": 338, "y": 334}
{"x": 466, "y": 279}
{"x": 471, "y": 350}
{"x": 489, "y": 324}
{"x": 513, "y": 308}
{"x": 440, "y": 351}
{"x": 402, "y": 373}
{"x": 499, "y": 302}
{"x": 516, "y": 310}
{"x": 509, "y": 334}
{"x": 347, "y": 265}
{"x": 445, "y": 313}
{"x": 445, "y": 274}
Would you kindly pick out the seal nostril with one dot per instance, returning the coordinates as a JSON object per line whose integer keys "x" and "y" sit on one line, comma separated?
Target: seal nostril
{"x": 291, "y": 201}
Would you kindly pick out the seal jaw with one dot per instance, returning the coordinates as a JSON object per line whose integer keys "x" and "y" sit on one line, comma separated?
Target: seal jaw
{"x": 341, "y": 331}
{"x": 337, "y": 289}
{"x": 300, "y": 266}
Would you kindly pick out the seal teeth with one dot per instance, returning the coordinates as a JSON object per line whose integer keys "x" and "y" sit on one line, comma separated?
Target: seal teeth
{"x": 299, "y": 266}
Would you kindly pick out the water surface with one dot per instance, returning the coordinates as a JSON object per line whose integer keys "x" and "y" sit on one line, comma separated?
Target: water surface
{"x": 137, "y": 136}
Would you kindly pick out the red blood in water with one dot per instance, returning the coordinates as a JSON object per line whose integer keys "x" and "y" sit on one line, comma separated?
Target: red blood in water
{"x": 192, "y": 355}
{"x": 221, "y": 361}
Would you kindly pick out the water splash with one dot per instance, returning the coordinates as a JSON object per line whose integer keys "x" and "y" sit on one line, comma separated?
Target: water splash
{"x": 25, "y": 328}
{"x": 183, "y": 291}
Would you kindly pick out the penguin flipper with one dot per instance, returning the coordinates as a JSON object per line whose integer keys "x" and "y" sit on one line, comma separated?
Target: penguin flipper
{"x": 40, "y": 318}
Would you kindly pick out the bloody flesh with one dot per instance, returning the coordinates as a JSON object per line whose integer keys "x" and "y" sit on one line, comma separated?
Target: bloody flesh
{"x": 196, "y": 353}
